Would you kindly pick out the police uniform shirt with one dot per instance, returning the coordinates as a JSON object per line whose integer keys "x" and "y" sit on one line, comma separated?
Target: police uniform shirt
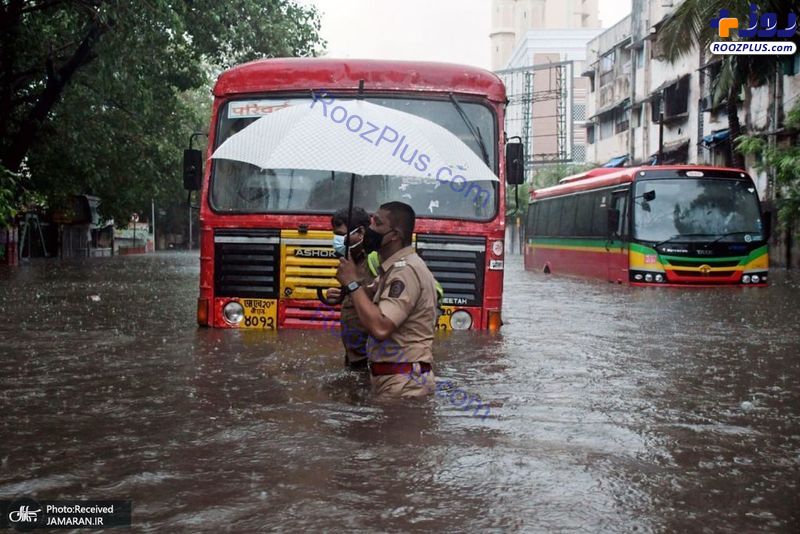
{"x": 406, "y": 295}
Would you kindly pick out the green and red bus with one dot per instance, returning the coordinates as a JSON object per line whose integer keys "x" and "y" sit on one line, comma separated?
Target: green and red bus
{"x": 266, "y": 235}
{"x": 662, "y": 225}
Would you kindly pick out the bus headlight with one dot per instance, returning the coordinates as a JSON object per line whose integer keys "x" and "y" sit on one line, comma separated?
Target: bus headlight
{"x": 755, "y": 279}
{"x": 648, "y": 278}
{"x": 746, "y": 279}
{"x": 497, "y": 248}
{"x": 659, "y": 278}
{"x": 233, "y": 313}
{"x": 460, "y": 320}
{"x": 638, "y": 277}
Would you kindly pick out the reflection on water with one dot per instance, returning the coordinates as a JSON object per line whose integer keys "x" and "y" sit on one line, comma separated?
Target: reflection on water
{"x": 612, "y": 409}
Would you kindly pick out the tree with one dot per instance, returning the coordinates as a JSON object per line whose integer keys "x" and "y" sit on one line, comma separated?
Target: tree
{"x": 688, "y": 27}
{"x": 100, "y": 96}
{"x": 516, "y": 209}
{"x": 784, "y": 163}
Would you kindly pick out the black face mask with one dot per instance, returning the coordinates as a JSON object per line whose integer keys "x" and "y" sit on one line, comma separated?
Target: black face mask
{"x": 373, "y": 241}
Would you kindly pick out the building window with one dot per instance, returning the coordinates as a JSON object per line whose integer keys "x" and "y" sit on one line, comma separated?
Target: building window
{"x": 676, "y": 98}
{"x": 621, "y": 120}
{"x": 636, "y": 117}
{"x": 607, "y": 62}
{"x": 579, "y": 112}
{"x": 607, "y": 128}
{"x": 791, "y": 66}
{"x": 639, "y": 57}
{"x": 579, "y": 153}
{"x": 590, "y": 134}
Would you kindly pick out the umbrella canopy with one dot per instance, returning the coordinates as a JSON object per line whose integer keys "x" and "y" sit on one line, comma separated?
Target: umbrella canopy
{"x": 356, "y": 137}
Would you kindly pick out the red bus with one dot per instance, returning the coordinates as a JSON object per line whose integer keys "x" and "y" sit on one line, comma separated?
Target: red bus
{"x": 265, "y": 233}
{"x": 661, "y": 225}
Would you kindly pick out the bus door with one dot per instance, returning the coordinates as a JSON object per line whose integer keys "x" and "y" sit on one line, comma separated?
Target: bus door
{"x": 617, "y": 239}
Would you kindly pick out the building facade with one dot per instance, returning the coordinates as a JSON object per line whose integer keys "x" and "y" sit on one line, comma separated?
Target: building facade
{"x": 539, "y": 49}
{"x": 511, "y": 19}
{"x": 643, "y": 109}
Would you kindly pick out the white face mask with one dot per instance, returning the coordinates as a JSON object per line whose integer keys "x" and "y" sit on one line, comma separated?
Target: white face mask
{"x": 339, "y": 246}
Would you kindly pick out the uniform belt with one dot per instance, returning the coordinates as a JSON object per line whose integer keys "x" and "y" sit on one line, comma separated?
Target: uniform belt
{"x": 392, "y": 368}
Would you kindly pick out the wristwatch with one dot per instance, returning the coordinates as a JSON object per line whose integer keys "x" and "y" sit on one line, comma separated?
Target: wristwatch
{"x": 353, "y": 286}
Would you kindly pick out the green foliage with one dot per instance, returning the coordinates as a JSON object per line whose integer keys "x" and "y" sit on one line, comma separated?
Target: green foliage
{"x": 8, "y": 185}
{"x": 783, "y": 163}
{"x": 113, "y": 121}
{"x": 513, "y": 192}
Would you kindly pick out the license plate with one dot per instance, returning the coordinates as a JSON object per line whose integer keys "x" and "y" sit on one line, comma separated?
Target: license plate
{"x": 259, "y": 313}
{"x": 443, "y": 323}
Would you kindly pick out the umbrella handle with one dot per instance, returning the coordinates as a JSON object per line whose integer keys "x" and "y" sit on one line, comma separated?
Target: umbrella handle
{"x": 330, "y": 302}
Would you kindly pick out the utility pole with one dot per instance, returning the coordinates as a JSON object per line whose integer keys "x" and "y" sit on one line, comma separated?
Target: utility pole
{"x": 661, "y": 135}
{"x": 190, "y": 225}
{"x": 153, "y": 220}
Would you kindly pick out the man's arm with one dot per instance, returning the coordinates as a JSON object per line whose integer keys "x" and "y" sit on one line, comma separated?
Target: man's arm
{"x": 377, "y": 324}
{"x": 370, "y": 315}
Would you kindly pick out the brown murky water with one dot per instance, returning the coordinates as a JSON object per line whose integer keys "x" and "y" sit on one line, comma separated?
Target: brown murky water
{"x": 610, "y": 409}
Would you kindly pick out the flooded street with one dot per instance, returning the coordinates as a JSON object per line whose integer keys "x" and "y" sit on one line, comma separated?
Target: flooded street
{"x": 611, "y": 409}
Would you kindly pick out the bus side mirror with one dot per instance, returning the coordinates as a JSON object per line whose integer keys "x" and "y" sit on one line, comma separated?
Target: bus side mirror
{"x": 515, "y": 163}
{"x": 766, "y": 224}
{"x": 192, "y": 169}
{"x": 613, "y": 221}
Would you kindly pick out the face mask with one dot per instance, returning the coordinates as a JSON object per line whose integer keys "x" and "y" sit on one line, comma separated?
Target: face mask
{"x": 373, "y": 241}
{"x": 339, "y": 245}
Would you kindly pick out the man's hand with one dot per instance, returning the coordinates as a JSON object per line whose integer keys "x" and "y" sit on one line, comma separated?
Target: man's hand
{"x": 333, "y": 293}
{"x": 347, "y": 271}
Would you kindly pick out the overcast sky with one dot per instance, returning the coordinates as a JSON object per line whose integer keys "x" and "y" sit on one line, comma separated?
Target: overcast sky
{"x": 455, "y": 31}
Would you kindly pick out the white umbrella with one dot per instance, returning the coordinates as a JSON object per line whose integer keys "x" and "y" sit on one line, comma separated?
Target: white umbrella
{"x": 356, "y": 137}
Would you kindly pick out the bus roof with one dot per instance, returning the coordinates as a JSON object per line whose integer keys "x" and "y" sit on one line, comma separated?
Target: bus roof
{"x": 608, "y": 177}
{"x": 292, "y": 74}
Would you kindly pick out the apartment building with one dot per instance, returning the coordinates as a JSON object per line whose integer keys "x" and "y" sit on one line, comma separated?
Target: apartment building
{"x": 644, "y": 109}
{"x": 539, "y": 49}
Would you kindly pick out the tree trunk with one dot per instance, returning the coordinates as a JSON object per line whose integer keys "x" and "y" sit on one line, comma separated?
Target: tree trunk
{"x": 734, "y": 127}
{"x": 55, "y": 84}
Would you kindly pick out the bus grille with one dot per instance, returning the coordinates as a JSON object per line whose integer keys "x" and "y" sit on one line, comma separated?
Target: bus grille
{"x": 698, "y": 262}
{"x": 246, "y": 263}
{"x": 458, "y": 265}
{"x": 701, "y": 274}
{"x": 309, "y": 263}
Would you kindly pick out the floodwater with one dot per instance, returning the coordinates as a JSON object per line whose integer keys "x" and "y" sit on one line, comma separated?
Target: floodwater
{"x": 610, "y": 409}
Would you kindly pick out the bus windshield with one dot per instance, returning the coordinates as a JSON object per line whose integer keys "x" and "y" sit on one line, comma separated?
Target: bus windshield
{"x": 696, "y": 210}
{"x": 239, "y": 187}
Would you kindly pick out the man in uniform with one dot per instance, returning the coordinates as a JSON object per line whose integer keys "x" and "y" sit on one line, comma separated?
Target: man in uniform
{"x": 401, "y": 316}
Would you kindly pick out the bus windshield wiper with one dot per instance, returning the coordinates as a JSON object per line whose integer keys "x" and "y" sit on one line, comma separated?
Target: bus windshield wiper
{"x": 476, "y": 133}
{"x": 676, "y": 236}
{"x": 721, "y": 236}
